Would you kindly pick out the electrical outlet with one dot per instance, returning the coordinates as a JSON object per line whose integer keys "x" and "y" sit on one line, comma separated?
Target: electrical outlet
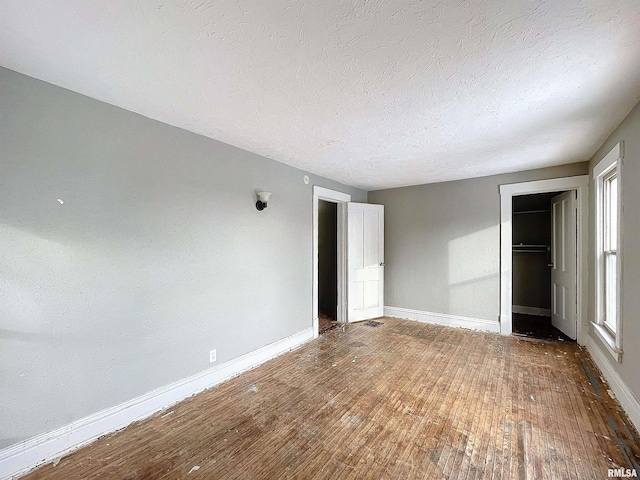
{"x": 213, "y": 356}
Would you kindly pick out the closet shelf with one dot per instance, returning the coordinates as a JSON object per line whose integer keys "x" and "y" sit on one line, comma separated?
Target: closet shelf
{"x": 532, "y": 211}
{"x": 531, "y": 248}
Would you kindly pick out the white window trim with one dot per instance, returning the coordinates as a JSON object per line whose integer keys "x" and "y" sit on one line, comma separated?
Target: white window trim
{"x": 612, "y": 342}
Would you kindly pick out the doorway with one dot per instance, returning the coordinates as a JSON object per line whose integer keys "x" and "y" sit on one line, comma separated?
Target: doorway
{"x": 578, "y": 186}
{"x": 534, "y": 275}
{"x": 327, "y": 266}
{"x": 339, "y": 201}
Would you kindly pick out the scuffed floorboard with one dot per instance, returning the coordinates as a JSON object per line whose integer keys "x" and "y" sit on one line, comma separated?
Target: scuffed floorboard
{"x": 404, "y": 400}
{"x": 326, "y": 323}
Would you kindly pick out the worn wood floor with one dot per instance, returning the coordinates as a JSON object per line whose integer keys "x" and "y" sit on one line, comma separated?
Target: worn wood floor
{"x": 326, "y": 323}
{"x": 400, "y": 401}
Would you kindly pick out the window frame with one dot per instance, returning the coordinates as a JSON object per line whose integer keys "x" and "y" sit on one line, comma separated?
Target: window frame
{"x": 610, "y": 332}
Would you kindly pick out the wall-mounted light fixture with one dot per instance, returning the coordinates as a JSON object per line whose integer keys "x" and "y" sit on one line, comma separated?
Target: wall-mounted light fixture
{"x": 263, "y": 198}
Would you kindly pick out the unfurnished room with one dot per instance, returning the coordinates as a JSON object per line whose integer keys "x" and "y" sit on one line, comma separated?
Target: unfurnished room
{"x": 332, "y": 239}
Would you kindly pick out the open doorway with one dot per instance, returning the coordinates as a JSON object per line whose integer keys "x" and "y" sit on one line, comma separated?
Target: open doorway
{"x": 534, "y": 244}
{"x": 359, "y": 239}
{"x": 327, "y": 266}
{"x": 571, "y": 210}
{"x": 337, "y": 200}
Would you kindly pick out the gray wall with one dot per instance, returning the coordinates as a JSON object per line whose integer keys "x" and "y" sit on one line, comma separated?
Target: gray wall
{"x": 328, "y": 258}
{"x": 442, "y": 243}
{"x": 156, "y": 256}
{"x": 629, "y": 133}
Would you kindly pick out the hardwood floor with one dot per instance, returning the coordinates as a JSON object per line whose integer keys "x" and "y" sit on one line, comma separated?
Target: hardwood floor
{"x": 536, "y": 327}
{"x": 401, "y": 401}
{"x": 326, "y": 323}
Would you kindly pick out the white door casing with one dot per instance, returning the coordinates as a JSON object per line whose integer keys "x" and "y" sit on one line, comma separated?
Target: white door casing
{"x": 507, "y": 192}
{"x": 321, "y": 193}
{"x": 365, "y": 261}
{"x": 563, "y": 259}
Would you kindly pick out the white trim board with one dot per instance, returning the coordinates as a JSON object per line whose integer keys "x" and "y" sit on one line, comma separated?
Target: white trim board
{"x": 321, "y": 193}
{"x": 537, "y": 311}
{"x": 442, "y": 319}
{"x": 22, "y": 457}
{"x": 624, "y": 395}
{"x": 507, "y": 192}
{"x": 616, "y": 153}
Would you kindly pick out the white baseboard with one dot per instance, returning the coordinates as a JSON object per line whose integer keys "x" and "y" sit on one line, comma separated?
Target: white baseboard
{"x": 537, "y": 311}
{"x": 22, "y": 457}
{"x": 443, "y": 319}
{"x": 620, "y": 389}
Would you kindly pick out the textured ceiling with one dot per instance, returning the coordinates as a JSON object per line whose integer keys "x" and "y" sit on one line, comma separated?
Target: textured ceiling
{"x": 373, "y": 94}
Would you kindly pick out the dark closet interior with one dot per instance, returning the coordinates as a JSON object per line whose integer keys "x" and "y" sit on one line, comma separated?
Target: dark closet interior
{"x": 327, "y": 265}
{"x": 531, "y": 253}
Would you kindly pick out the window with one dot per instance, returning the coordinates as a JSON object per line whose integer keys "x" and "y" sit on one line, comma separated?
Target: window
{"x": 608, "y": 259}
{"x": 610, "y": 248}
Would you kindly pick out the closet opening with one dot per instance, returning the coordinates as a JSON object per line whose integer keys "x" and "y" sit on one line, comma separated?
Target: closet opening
{"x": 544, "y": 265}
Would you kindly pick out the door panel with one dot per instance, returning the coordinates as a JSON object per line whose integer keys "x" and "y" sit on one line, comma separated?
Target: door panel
{"x": 357, "y": 297}
{"x": 365, "y": 261}
{"x": 371, "y": 290}
{"x": 563, "y": 273}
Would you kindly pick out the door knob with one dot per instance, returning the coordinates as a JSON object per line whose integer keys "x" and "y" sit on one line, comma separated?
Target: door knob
{"x": 382, "y": 264}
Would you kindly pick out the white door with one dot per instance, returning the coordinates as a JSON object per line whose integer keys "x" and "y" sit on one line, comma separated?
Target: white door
{"x": 563, "y": 257}
{"x": 365, "y": 261}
